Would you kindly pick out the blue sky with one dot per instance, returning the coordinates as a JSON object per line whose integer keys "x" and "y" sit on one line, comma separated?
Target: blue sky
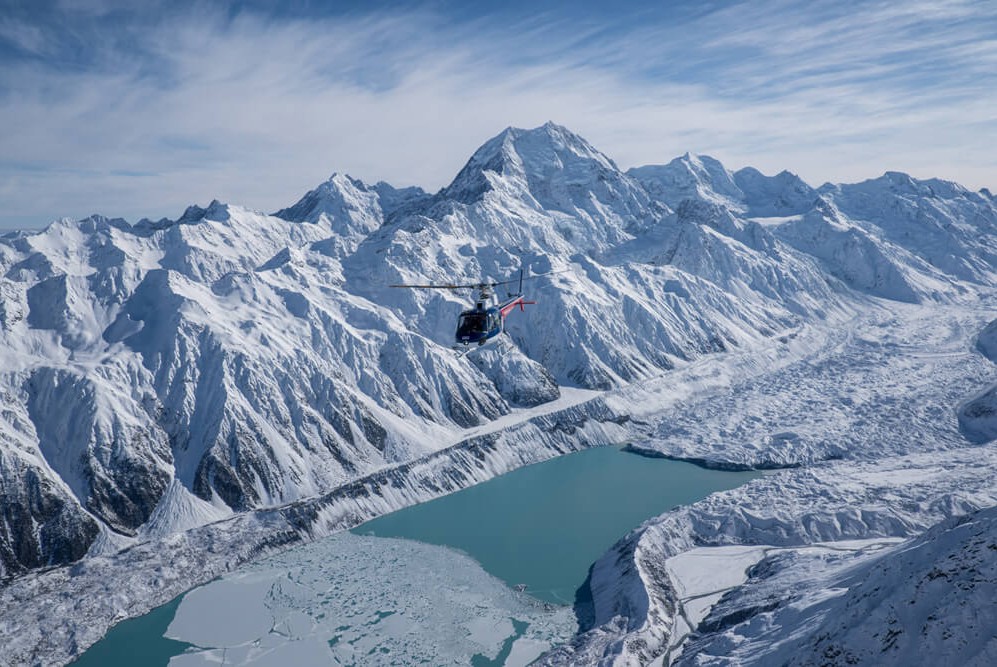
{"x": 139, "y": 113}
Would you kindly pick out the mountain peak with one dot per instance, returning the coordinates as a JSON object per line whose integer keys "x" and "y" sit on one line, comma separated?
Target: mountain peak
{"x": 216, "y": 211}
{"x": 550, "y": 140}
{"x": 904, "y": 185}
{"x": 899, "y": 181}
{"x": 342, "y": 179}
{"x": 528, "y": 155}
{"x": 780, "y": 195}
{"x": 331, "y": 198}
{"x": 690, "y": 176}
{"x": 343, "y": 197}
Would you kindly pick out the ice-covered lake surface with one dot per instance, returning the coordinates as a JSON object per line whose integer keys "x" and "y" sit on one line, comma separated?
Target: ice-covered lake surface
{"x": 360, "y": 599}
{"x": 350, "y": 600}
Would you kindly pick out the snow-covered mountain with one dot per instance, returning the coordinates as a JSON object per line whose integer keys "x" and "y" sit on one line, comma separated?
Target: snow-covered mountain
{"x": 159, "y": 375}
{"x": 908, "y": 603}
{"x": 929, "y": 598}
{"x": 177, "y": 373}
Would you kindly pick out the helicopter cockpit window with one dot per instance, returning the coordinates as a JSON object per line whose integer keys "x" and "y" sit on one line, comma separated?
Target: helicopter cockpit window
{"x": 472, "y": 323}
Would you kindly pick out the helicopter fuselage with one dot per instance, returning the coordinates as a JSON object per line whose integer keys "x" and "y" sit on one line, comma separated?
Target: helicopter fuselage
{"x": 487, "y": 319}
{"x": 483, "y": 322}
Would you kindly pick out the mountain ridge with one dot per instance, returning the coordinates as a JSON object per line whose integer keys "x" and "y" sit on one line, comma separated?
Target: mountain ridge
{"x": 230, "y": 360}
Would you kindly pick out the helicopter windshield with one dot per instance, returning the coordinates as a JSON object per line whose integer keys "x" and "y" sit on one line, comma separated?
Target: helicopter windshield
{"x": 472, "y": 323}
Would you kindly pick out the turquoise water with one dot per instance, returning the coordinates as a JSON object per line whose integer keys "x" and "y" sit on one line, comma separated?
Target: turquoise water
{"x": 545, "y": 524}
{"x": 136, "y": 641}
{"x": 542, "y": 526}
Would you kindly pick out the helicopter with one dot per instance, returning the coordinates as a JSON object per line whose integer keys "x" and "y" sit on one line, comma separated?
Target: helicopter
{"x": 487, "y": 319}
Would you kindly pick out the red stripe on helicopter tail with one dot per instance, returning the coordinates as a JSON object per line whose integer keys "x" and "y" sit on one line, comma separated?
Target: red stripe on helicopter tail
{"x": 509, "y": 307}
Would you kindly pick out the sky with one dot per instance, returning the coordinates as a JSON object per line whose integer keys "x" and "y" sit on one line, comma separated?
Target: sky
{"x": 131, "y": 113}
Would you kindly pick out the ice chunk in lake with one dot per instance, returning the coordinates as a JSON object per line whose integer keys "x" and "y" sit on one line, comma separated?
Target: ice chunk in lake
{"x": 351, "y": 599}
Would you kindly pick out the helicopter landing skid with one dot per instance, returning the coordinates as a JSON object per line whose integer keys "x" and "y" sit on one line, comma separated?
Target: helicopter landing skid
{"x": 464, "y": 349}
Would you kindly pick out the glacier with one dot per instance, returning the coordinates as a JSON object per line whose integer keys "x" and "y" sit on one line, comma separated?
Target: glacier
{"x": 210, "y": 389}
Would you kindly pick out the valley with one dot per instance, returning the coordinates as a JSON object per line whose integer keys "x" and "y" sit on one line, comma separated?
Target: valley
{"x": 181, "y": 398}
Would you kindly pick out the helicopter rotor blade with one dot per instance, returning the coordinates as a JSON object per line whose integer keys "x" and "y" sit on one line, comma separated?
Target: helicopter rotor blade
{"x": 478, "y": 285}
{"x": 437, "y": 286}
{"x": 549, "y": 273}
{"x": 525, "y": 278}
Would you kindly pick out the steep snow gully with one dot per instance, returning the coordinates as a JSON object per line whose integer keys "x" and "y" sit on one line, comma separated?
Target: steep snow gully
{"x": 180, "y": 396}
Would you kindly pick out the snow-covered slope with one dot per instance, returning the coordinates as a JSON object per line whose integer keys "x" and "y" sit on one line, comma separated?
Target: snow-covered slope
{"x": 901, "y": 466}
{"x": 871, "y": 413}
{"x": 161, "y": 375}
{"x": 350, "y": 208}
{"x": 784, "y": 194}
{"x": 639, "y": 287}
{"x": 219, "y": 351}
{"x": 894, "y": 237}
{"x": 690, "y": 177}
{"x": 636, "y": 616}
{"x": 938, "y": 221}
{"x": 930, "y": 599}
{"x": 978, "y": 416}
{"x": 986, "y": 342}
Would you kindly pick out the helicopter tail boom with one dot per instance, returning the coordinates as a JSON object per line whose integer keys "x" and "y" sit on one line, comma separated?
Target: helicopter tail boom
{"x": 510, "y": 305}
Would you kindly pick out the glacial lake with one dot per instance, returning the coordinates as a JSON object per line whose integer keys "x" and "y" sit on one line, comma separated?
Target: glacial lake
{"x": 359, "y": 598}
{"x": 544, "y": 525}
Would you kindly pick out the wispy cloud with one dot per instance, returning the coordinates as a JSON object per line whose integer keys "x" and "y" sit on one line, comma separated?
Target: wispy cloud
{"x": 254, "y": 109}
